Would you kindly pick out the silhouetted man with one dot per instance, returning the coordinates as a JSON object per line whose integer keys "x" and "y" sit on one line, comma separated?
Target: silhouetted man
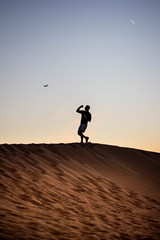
{"x": 86, "y": 117}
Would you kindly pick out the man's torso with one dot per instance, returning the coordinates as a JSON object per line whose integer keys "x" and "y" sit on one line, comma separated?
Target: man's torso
{"x": 86, "y": 116}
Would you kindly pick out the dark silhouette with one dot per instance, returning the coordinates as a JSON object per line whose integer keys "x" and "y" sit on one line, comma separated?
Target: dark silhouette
{"x": 86, "y": 117}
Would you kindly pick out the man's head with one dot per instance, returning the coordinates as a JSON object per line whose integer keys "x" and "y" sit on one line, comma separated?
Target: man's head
{"x": 87, "y": 107}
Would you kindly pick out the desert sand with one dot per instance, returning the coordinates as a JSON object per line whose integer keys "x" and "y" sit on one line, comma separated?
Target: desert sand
{"x": 78, "y": 191}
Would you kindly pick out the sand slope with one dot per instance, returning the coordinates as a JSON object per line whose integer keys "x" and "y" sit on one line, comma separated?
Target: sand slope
{"x": 78, "y": 191}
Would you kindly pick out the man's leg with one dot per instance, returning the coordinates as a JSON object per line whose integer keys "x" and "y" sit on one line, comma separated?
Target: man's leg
{"x": 86, "y": 139}
{"x": 80, "y": 133}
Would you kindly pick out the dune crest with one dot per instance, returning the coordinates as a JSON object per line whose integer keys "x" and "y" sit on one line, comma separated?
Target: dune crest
{"x": 78, "y": 191}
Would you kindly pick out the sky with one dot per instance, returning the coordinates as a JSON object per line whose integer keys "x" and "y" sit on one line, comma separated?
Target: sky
{"x": 89, "y": 53}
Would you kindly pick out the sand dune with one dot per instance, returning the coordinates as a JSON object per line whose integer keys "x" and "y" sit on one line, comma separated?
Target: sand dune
{"x": 78, "y": 191}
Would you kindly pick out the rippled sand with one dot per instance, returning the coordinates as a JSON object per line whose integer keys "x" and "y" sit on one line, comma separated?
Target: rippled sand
{"x": 78, "y": 191}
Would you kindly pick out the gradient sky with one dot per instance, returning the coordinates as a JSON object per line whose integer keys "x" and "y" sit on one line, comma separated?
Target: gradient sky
{"x": 89, "y": 52}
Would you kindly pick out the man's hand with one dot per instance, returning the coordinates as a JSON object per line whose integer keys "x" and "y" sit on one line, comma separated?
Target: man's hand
{"x": 81, "y": 106}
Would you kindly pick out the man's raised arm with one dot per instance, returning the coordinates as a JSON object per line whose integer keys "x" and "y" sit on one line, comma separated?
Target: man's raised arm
{"x": 78, "y": 109}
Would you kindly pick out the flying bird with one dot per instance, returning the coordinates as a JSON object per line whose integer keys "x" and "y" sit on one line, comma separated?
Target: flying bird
{"x": 46, "y": 85}
{"x": 132, "y": 21}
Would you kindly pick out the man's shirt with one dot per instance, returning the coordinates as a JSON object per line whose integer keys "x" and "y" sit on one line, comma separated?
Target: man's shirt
{"x": 86, "y": 116}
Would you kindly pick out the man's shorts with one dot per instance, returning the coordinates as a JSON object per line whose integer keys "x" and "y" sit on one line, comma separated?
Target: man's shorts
{"x": 82, "y": 127}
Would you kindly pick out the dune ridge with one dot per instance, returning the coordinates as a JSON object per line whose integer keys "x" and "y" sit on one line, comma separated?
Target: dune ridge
{"x": 78, "y": 191}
